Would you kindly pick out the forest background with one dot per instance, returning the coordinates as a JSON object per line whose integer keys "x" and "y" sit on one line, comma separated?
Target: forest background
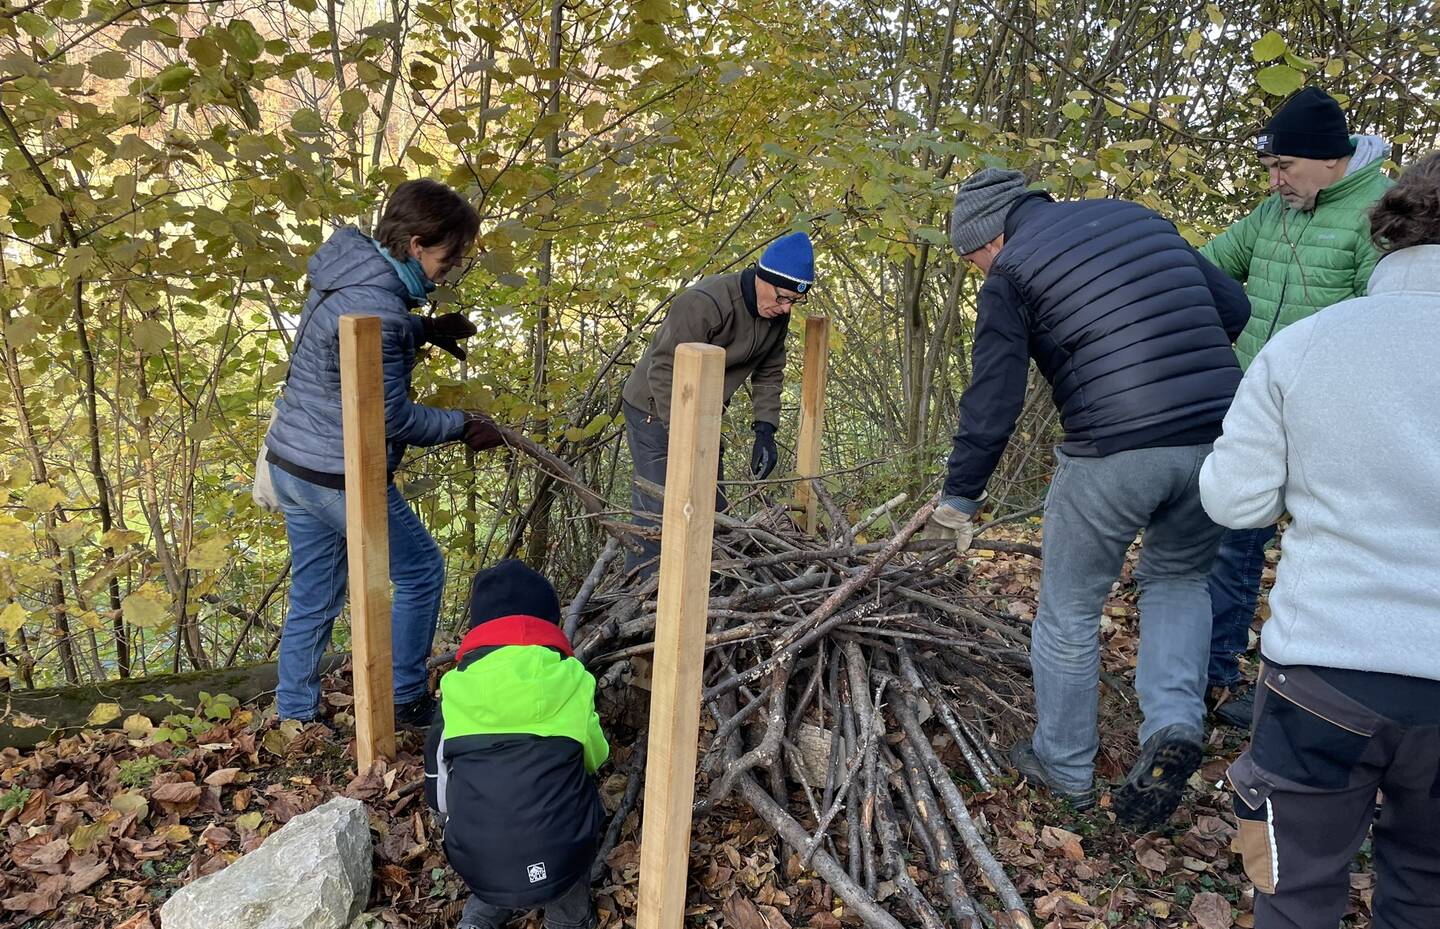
{"x": 169, "y": 166}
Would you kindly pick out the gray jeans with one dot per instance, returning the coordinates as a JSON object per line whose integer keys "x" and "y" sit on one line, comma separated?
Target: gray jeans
{"x": 649, "y": 441}
{"x": 570, "y": 910}
{"x": 1093, "y": 511}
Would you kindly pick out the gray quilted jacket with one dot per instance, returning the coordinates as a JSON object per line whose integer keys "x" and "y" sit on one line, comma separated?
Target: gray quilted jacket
{"x": 307, "y": 429}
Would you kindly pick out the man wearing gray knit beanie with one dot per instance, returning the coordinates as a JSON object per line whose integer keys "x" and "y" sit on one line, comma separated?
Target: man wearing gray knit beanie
{"x": 1132, "y": 329}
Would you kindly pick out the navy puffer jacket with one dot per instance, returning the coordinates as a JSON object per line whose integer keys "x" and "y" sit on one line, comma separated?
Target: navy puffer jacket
{"x": 1128, "y": 324}
{"x": 307, "y": 430}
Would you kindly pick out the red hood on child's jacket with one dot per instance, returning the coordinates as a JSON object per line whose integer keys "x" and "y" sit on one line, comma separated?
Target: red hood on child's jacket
{"x": 516, "y": 630}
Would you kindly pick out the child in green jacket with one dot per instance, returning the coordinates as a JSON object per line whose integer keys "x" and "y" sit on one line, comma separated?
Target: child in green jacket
{"x": 512, "y": 754}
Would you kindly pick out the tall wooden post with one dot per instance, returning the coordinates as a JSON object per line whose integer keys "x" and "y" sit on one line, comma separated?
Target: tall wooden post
{"x": 362, "y": 403}
{"x": 812, "y": 416}
{"x": 685, "y": 539}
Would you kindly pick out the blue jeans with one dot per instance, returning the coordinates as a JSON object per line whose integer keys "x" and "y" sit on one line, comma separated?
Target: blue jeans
{"x": 1093, "y": 511}
{"x": 315, "y": 526}
{"x": 1234, "y": 593}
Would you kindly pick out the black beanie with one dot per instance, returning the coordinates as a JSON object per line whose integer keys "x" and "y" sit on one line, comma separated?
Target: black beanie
{"x": 1308, "y": 125}
{"x": 512, "y": 588}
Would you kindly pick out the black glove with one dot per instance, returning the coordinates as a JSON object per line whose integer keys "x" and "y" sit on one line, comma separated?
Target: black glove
{"x": 763, "y": 458}
{"x": 480, "y": 432}
{"x": 447, "y": 330}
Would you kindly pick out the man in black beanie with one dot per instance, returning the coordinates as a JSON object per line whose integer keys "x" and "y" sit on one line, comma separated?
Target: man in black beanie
{"x": 1132, "y": 329}
{"x": 1304, "y": 248}
{"x": 511, "y": 759}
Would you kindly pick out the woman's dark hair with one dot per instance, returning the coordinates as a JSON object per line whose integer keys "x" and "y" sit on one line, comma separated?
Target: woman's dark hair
{"x": 1409, "y": 213}
{"x": 430, "y": 210}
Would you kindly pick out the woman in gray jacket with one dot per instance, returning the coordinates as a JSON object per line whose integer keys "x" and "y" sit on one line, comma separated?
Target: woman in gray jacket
{"x": 1337, "y": 422}
{"x": 425, "y": 231}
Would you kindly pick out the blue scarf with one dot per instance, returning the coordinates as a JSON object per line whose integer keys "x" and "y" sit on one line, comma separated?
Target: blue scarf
{"x": 412, "y": 275}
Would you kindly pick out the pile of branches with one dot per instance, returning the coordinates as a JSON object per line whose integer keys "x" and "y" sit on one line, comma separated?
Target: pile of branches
{"x": 833, "y": 668}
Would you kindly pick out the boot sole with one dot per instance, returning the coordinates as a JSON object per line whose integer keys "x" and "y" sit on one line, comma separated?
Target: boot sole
{"x": 1152, "y": 792}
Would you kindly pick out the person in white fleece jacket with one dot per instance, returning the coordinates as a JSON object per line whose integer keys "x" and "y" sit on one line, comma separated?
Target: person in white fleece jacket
{"x": 1338, "y": 422}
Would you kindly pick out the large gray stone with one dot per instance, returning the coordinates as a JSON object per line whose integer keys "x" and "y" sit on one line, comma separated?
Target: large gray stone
{"x": 314, "y": 873}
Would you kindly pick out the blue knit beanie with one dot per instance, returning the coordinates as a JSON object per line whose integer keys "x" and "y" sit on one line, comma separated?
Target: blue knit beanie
{"x": 789, "y": 262}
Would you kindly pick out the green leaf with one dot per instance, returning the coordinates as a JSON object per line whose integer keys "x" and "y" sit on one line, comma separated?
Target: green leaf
{"x": 1073, "y": 110}
{"x": 1279, "y": 80}
{"x": 354, "y": 101}
{"x": 368, "y": 73}
{"x": 874, "y": 191}
{"x": 307, "y": 120}
{"x": 247, "y": 40}
{"x": 22, "y": 332}
{"x": 1268, "y": 47}
{"x": 175, "y": 77}
{"x": 150, "y": 336}
{"x": 35, "y": 24}
{"x": 111, "y": 65}
{"x": 205, "y": 51}
{"x": 44, "y": 211}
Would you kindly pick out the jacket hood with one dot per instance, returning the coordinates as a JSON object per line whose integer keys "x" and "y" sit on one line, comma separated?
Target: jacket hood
{"x": 1368, "y": 150}
{"x": 515, "y": 689}
{"x": 348, "y": 259}
{"x": 1413, "y": 270}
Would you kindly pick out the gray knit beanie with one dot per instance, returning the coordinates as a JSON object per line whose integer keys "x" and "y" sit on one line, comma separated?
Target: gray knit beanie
{"x": 980, "y": 207}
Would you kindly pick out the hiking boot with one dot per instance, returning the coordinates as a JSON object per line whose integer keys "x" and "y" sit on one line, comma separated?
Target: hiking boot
{"x": 1155, "y": 784}
{"x": 1023, "y": 757}
{"x": 1233, "y": 706}
{"x": 415, "y": 715}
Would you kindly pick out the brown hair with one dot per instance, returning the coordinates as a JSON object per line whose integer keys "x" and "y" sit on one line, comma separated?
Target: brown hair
{"x": 430, "y": 210}
{"x": 1409, "y": 213}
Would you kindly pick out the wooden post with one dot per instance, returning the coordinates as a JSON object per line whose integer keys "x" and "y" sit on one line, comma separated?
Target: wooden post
{"x": 684, "y": 596}
{"x": 812, "y": 416}
{"x": 362, "y": 401}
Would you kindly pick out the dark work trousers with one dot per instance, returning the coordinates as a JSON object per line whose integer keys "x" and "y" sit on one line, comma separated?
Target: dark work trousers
{"x": 570, "y": 910}
{"x": 649, "y": 441}
{"x": 1325, "y": 742}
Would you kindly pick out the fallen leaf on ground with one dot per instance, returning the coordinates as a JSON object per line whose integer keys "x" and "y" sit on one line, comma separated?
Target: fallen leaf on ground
{"x": 1211, "y": 911}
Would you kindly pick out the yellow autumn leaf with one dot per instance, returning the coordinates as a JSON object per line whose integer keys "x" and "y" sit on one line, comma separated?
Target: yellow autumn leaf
{"x": 69, "y": 533}
{"x": 138, "y": 726}
{"x": 102, "y": 714}
{"x": 175, "y": 834}
{"x": 209, "y": 554}
{"x": 12, "y": 618}
{"x": 42, "y": 498}
{"x": 15, "y": 538}
{"x": 143, "y": 610}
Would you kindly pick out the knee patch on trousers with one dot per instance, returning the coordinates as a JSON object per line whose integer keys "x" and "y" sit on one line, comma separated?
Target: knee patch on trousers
{"x": 1254, "y": 838}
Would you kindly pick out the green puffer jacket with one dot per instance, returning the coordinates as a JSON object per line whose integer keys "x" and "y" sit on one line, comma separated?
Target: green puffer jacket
{"x": 1294, "y": 263}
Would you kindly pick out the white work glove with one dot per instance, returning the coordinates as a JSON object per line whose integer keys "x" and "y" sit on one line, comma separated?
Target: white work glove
{"x": 955, "y": 522}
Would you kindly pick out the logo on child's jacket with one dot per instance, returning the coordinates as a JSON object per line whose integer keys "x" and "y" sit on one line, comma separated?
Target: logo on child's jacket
{"x": 536, "y": 872}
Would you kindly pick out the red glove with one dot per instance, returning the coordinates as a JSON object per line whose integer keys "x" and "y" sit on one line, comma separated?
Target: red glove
{"x": 481, "y": 433}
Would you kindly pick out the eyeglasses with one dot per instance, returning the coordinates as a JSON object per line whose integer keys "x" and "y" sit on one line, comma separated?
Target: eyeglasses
{"x": 789, "y": 299}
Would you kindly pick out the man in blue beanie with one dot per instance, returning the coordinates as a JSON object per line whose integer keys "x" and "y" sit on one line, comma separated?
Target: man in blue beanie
{"x": 1132, "y": 329}
{"x": 747, "y": 313}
